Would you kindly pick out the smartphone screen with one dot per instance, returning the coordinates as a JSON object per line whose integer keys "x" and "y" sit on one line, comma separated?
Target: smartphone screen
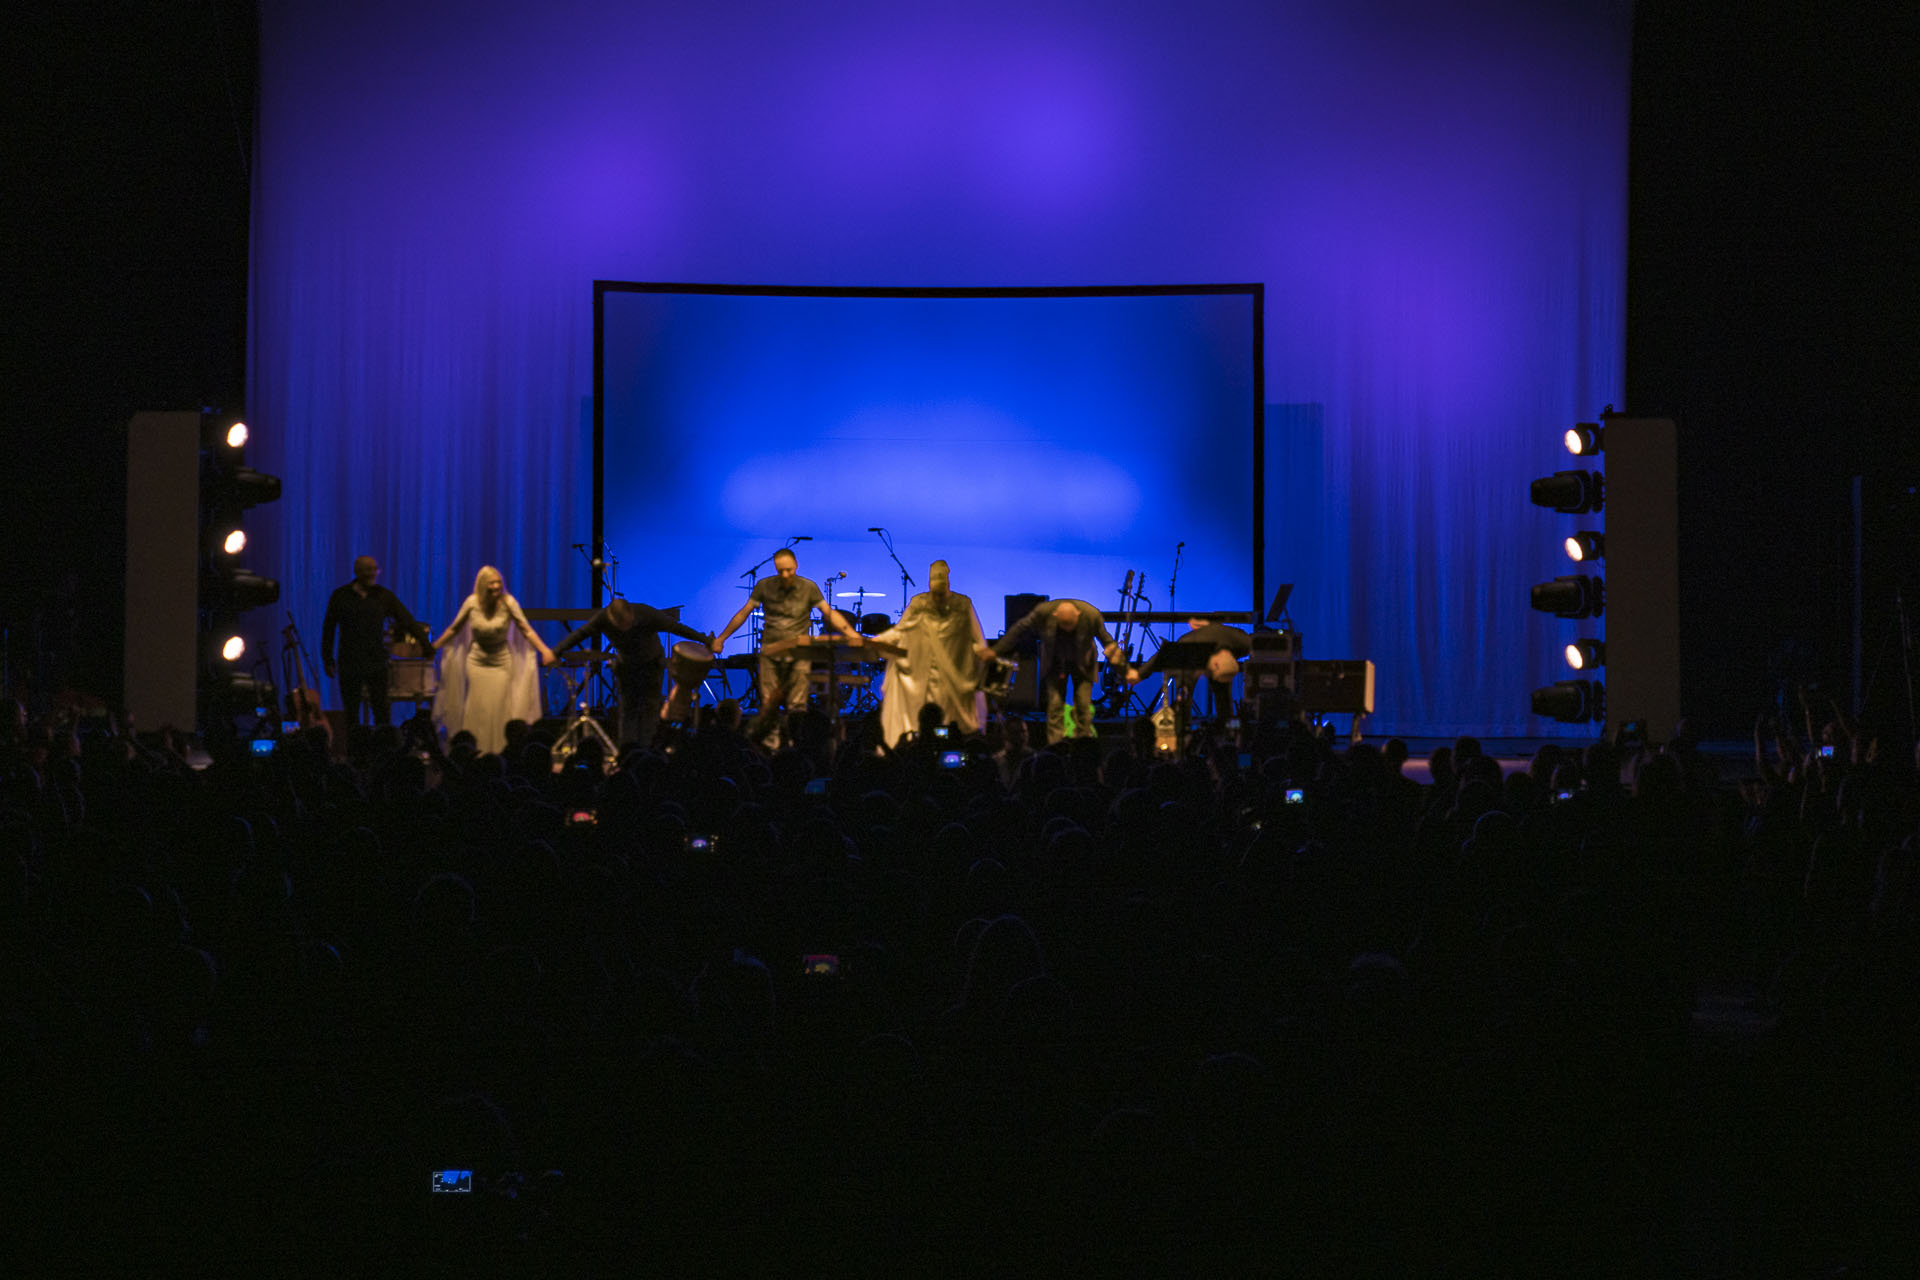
{"x": 820, "y": 965}
{"x": 816, "y": 786}
{"x": 262, "y": 746}
{"x": 1296, "y": 796}
{"x": 952, "y": 759}
{"x": 452, "y": 1181}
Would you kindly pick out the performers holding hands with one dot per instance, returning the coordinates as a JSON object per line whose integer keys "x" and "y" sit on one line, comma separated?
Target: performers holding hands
{"x": 1224, "y": 646}
{"x": 634, "y": 632}
{"x": 942, "y": 663}
{"x": 488, "y": 677}
{"x": 787, "y": 603}
{"x": 358, "y": 614}
{"x": 1068, "y": 630}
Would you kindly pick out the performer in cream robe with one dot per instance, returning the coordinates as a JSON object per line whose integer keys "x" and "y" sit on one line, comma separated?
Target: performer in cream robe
{"x": 945, "y": 652}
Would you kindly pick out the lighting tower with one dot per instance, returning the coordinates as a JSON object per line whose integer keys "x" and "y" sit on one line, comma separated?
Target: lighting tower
{"x": 1638, "y": 598}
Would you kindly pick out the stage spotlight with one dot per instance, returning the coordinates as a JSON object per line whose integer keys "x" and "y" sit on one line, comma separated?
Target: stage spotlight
{"x": 1570, "y": 492}
{"x": 1572, "y": 701}
{"x": 235, "y": 542}
{"x": 237, "y": 436}
{"x": 1573, "y": 596}
{"x": 1586, "y": 439}
{"x": 1585, "y": 546}
{"x": 233, "y": 648}
{"x": 236, "y": 589}
{"x": 239, "y": 488}
{"x": 1585, "y": 655}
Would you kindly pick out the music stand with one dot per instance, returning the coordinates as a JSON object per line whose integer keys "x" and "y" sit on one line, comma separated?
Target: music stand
{"x": 1277, "y": 611}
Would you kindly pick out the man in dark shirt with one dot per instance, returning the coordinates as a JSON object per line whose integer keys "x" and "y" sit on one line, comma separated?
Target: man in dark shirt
{"x": 1221, "y": 647}
{"x": 1067, "y": 631}
{"x": 787, "y": 603}
{"x": 358, "y": 613}
{"x": 634, "y": 632}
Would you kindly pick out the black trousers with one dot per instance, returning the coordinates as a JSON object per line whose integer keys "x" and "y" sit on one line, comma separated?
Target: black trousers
{"x": 365, "y": 684}
{"x": 639, "y": 703}
{"x": 1220, "y": 699}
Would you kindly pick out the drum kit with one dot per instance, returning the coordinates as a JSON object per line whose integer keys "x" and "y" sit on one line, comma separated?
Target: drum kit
{"x": 862, "y": 696}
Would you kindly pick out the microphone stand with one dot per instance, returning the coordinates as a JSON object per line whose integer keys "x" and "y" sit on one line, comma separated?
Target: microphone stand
{"x": 1171, "y": 607}
{"x": 906, "y": 579}
{"x": 602, "y": 565}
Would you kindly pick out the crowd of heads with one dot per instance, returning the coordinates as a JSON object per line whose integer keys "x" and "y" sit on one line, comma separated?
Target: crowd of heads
{"x": 837, "y": 1007}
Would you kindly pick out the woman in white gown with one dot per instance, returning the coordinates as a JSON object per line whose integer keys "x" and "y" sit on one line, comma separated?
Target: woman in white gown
{"x": 488, "y": 674}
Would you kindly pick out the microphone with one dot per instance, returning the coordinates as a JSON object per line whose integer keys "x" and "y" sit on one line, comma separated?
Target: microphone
{"x": 1126, "y": 588}
{"x": 875, "y": 529}
{"x": 579, "y": 546}
{"x": 807, "y": 537}
{"x": 1178, "y": 545}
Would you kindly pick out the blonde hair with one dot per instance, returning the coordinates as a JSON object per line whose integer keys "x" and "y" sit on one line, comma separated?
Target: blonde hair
{"x": 481, "y": 577}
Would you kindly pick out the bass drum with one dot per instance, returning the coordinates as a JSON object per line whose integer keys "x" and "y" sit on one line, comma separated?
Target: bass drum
{"x": 872, "y": 624}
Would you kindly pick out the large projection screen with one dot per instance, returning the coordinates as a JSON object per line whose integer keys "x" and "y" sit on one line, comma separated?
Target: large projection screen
{"x": 1039, "y": 440}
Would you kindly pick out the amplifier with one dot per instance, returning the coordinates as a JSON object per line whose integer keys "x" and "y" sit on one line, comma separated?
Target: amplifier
{"x": 1340, "y": 685}
{"x": 1018, "y": 607}
{"x": 1275, "y": 646}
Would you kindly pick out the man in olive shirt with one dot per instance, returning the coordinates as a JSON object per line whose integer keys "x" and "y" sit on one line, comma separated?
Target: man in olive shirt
{"x": 787, "y": 604}
{"x": 634, "y": 632}
{"x": 358, "y": 614}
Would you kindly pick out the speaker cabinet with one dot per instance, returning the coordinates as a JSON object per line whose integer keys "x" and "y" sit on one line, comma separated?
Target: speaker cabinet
{"x": 1341, "y": 686}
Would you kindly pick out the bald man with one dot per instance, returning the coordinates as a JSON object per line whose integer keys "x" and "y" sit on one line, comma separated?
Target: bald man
{"x": 358, "y": 614}
{"x": 1072, "y": 637}
{"x": 1226, "y": 646}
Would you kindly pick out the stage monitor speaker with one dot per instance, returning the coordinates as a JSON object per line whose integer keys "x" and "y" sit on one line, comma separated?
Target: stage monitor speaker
{"x": 1341, "y": 686}
{"x": 1024, "y": 693}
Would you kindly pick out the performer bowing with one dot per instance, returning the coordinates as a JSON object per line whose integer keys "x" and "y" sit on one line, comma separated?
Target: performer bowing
{"x": 1068, "y": 631}
{"x": 633, "y": 630}
{"x": 1223, "y": 647}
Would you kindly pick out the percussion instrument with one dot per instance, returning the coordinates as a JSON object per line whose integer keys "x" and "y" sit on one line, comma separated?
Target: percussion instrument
{"x": 687, "y": 663}
{"x": 996, "y": 676}
{"x": 411, "y": 679}
{"x": 872, "y": 624}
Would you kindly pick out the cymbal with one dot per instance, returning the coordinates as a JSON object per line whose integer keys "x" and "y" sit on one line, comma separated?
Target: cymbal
{"x": 849, "y": 595}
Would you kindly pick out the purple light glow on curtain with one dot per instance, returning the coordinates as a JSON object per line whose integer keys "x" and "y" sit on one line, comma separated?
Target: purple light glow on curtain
{"x": 1434, "y": 197}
